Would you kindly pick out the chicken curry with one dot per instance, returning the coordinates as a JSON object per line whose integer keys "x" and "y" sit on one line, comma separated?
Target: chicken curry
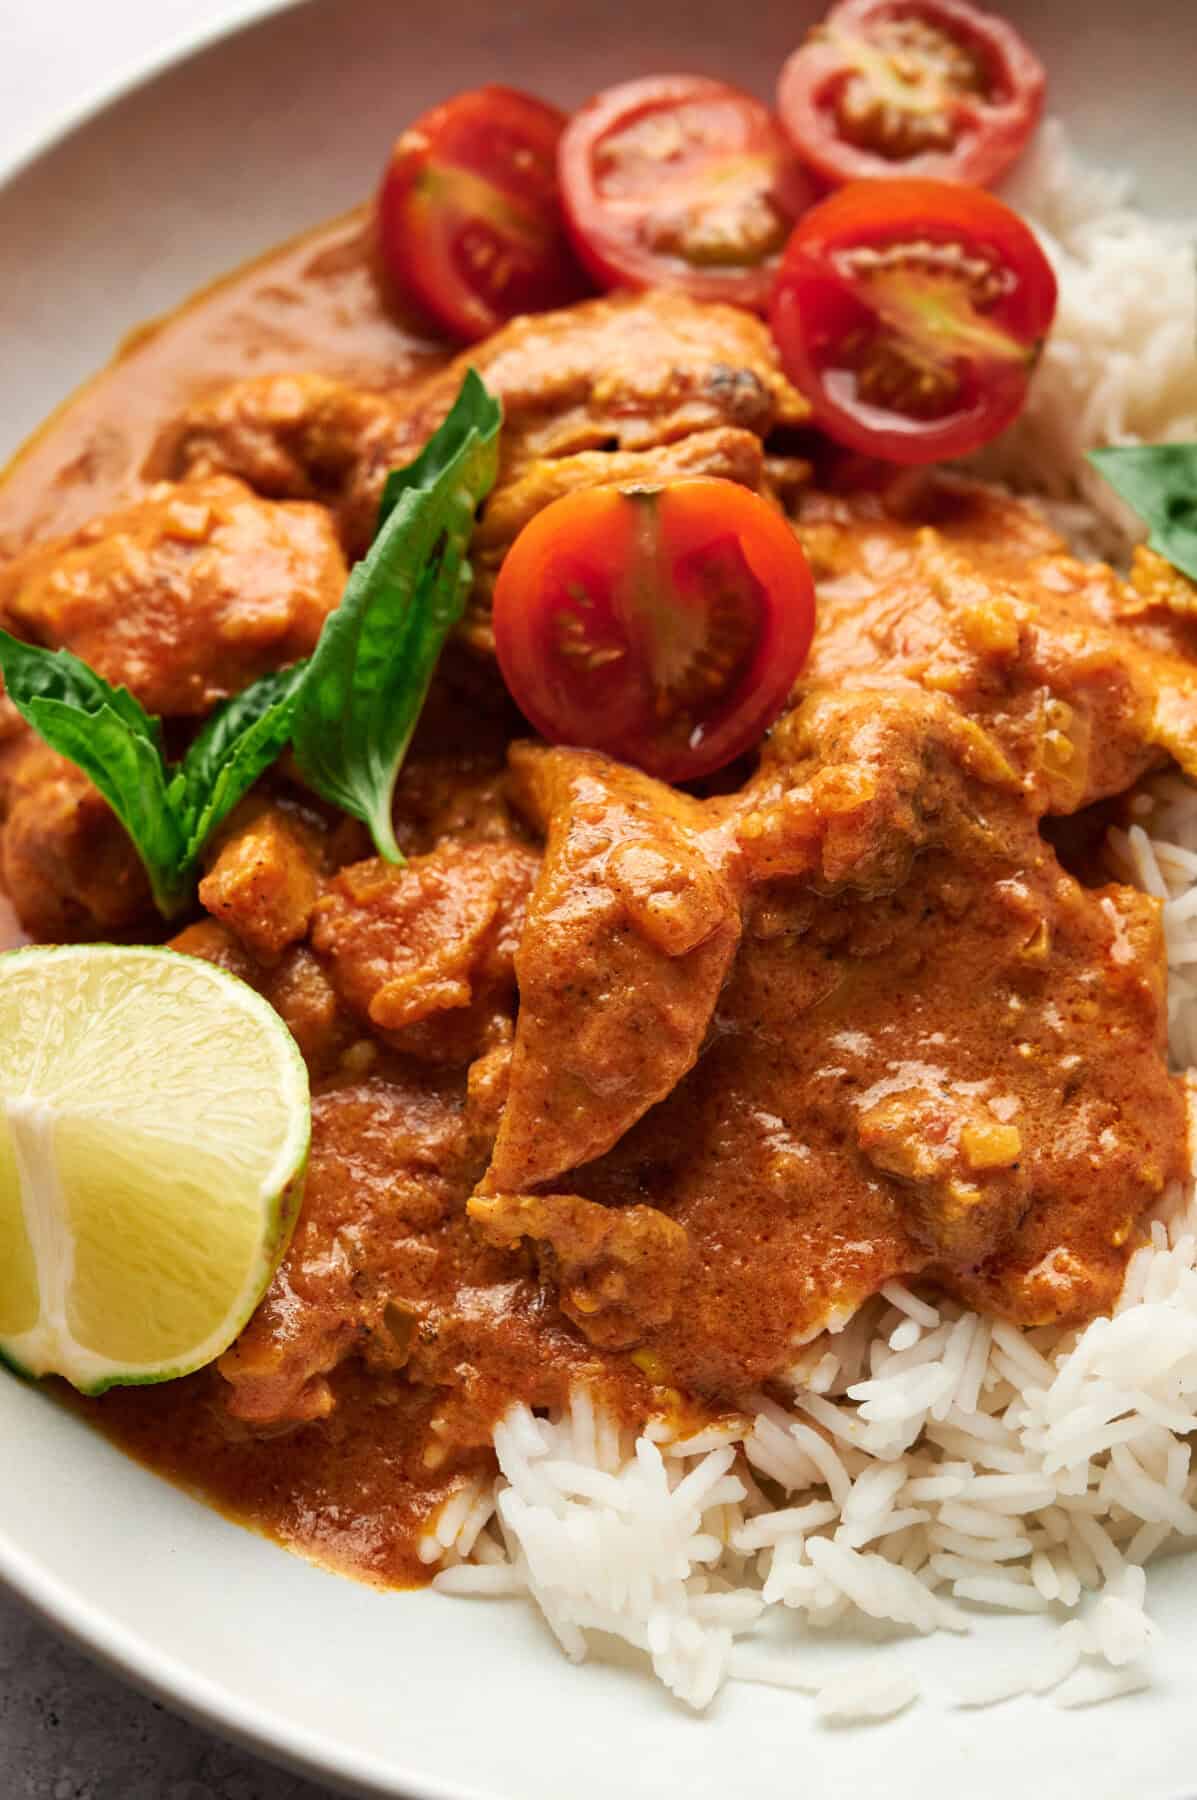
{"x": 613, "y": 1078}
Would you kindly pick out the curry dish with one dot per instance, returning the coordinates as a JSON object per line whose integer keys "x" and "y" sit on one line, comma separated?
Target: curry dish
{"x": 616, "y": 1078}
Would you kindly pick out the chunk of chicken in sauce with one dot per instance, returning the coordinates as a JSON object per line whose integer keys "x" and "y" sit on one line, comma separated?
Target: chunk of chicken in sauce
{"x": 183, "y": 597}
{"x": 263, "y": 878}
{"x": 425, "y": 954}
{"x": 631, "y": 933}
{"x": 1082, "y": 685}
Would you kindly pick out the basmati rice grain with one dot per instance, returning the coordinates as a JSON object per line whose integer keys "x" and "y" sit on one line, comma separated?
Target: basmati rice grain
{"x": 1122, "y": 1631}
{"x": 479, "y": 1578}
{"x": 1069, "y": 1580}
{"x": 1044, "y": 1576}
{"x": 1059, "y": 1662}
{"x": 874, "y": 1690}
{"x": 1003, "y": 1683}
{"x": 746, "y": 1664}
{"x": 1011, "y": 1595}
{"x": 771, "y": 1527}
{"x": 1091, "y": 1687}
{"x": 910, "y": 1304}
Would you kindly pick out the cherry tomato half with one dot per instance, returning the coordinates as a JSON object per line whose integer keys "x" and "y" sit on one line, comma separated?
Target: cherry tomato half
{"x": 679, "y": 181}
{"x": 469, "y": 219}
{"x": 910, "y": 87}
{"x": 911, "y": 315}
{"x": 665, "y": 626}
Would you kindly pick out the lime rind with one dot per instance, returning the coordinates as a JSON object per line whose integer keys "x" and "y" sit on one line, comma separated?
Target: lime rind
{"x": 156, "y": 1041}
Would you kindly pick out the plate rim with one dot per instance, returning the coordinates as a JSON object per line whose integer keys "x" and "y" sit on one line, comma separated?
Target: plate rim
{"x": 184, "y": 45}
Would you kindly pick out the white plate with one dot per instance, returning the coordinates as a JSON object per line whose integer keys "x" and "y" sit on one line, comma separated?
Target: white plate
{"x": 407, "y": 1694}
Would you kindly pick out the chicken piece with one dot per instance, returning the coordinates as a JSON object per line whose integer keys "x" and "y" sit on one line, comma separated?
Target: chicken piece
{"x": 727, "y": 452}
{"x": 215, "y": 943}
{"x": 264, "y": 879}
{"x": 1103, "y": 1124}
{"x": 855, "y": 781}
{"x": 1052, "y": 656}
{"x": 963, "y": 1167}
{"x": 618, "y": 1271}
{"x": 183, "y": 597}
{"x": 631, "y": 931}
{"x": 425, "y": 953}
{"x": 630, "y": 387}
{"x": 625, "y": 372}
{"x": 66, "y": 862}
{"x": 299, "y": 437}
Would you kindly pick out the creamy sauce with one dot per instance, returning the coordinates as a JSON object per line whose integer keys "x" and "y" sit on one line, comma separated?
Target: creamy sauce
{"x": 313, "y": 303}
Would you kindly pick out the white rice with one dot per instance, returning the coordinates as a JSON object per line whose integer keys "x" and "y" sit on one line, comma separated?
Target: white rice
{"x": 1119, "y": 367}
{"x": 932, "y": 1464}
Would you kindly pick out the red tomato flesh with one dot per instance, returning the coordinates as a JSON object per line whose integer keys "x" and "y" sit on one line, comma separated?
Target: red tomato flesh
{"x": 469, "y": 217}
{"x": 911, "y": 315}
{"x": 665, "y": 626}
{"x": 915, "y": 87}
{"x": 679, "y": 181}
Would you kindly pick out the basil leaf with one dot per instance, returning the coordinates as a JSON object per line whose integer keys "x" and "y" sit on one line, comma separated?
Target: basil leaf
{"x": 237, "y": 744}
{"x": 1160, "y": 482}
{"x": 118, "y": 745}
{"x": 104, "y": 732}
{"x": 361, "y": 698}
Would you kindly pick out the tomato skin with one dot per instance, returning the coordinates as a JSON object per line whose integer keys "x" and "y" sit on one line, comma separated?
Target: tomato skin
{"x": 985, "y": 131}
{"x": 653, "y": 167}
{"x": 665, "y": 626}
{"x": 469, "y": 216}
{"x": 827, "y": 318}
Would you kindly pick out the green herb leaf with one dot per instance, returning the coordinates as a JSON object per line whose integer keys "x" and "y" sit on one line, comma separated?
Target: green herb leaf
{"x": 169, "y": 815}
{"x": 361, "y": 698}
{"x": 1160, "y": 482}
{"x": 115, "y": 742}
{"x": 237, "y": 744}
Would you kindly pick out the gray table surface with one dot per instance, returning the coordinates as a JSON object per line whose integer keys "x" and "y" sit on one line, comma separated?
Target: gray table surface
{"x": 69, "y": 1730}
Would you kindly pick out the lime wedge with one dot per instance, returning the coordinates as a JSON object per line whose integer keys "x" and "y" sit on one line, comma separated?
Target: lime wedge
{"x": 154, "y": 1126}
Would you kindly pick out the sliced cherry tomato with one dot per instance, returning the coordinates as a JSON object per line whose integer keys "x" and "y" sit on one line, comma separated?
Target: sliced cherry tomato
{"x": 665, "y": 626}
{"x": 910, "y": 87}
{"x": 679, "y": 181}
{"x": 469, "y": 219}
{"x": 911, "y": 315}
